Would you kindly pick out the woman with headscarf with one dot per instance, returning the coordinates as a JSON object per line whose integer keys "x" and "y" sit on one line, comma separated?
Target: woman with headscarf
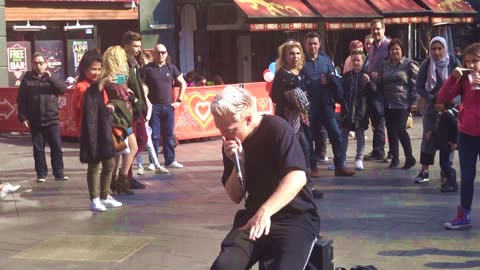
{"x": 433, "y": 72}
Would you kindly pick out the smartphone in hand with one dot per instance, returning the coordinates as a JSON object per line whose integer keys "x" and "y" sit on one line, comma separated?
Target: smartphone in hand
{"x": 120, "y": 79}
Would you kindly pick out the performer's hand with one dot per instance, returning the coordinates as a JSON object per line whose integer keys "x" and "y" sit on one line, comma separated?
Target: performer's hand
{"x": 231, "y": 145}
{"x": 259, "y": 224}
{"x": 374, "y": 75}
{"x": 110, "y": 107}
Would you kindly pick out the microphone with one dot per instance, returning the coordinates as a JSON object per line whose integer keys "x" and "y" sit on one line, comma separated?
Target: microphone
{"x": 236, "y": 162}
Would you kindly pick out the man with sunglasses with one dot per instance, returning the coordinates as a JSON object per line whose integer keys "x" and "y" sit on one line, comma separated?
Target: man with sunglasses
{"x": 38, "y": 111}
{"x": 160, "y": 76}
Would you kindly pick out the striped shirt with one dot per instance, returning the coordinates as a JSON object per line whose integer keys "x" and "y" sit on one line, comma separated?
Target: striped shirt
{"x": 377, "y": 55}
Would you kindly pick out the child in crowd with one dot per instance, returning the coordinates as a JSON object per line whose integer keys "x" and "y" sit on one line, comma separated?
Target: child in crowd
{"x": 355, "y": 83}
{"x": 444, "y": 137}
{"x": 466, "y": 84}
{"x": 155, "y": 165}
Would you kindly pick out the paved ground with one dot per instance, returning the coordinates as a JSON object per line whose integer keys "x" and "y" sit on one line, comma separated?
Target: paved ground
{"x": 378, "y": 217}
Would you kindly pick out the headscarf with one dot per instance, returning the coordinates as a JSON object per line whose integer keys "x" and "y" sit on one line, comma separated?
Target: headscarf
{"x": 440, "y": 65}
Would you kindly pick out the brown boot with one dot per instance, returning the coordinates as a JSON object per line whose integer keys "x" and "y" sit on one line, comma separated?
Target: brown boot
{"x": 122, "y": 185}
{"x": 314, "y": 173}
{"x": 344, "y": 172}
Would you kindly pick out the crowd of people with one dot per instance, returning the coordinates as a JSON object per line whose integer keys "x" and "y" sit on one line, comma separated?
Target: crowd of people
{"x": 379, "y": 88}
{"x": 124, "y": 105}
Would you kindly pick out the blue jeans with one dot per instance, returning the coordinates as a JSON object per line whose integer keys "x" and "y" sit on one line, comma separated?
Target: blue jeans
{"x": 360, "y": 134}
{"x": 334, "y": 134}
{"x": 468, "y": 152}
{"x": 162, "y": 123}
{"x": 51, "y": 135}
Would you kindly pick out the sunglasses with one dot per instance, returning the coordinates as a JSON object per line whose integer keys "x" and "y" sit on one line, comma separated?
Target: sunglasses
{"x": 162, "y": 52}
{"x": 38, "y": 63}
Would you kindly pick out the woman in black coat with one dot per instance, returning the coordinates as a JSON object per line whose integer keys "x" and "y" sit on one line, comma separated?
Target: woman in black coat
{"x": 96, "y": 142}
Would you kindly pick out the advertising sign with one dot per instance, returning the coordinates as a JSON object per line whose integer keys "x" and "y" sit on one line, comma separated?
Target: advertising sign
{"x": 18, "y": 60}
{"x": 53, "y": 50}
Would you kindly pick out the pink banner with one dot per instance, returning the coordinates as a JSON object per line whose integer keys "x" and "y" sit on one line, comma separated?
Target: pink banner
{"x": 193, "y": 118}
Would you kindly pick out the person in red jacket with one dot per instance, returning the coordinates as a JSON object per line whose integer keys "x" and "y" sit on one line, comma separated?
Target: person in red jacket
{"x": 466, "y": 82}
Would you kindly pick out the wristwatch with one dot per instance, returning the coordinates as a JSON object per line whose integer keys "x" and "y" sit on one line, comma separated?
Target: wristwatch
{"x": 178, "y": 100}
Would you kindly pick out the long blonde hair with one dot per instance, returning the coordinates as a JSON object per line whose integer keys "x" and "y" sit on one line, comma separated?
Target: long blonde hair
{"x": 283, "y": 52}
{"x": 114, "y": 62}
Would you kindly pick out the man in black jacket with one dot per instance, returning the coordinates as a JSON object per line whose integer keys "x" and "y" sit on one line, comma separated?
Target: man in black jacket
{"x": 38, "y": 110}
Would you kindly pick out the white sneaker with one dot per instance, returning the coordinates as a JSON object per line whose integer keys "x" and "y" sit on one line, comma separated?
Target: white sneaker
{"x": 161, "y": 170}
{"x": 175, "y": 165}
{"x": 140, "y": 171}
{"x": 110, "y": 202}
{"x": 151, "y": 167}
{"x": 7, "y": 188}
{"x": 41, "y": 179}
{"x": 358, "y": 164}
{"x": 97, "y": 206}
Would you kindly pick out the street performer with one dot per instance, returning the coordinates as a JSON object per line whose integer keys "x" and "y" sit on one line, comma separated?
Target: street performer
{"x": 281, "y": 220}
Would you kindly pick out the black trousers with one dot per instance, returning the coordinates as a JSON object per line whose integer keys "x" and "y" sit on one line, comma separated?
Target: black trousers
{"x": 50, "y": 135}
{"x": 378, "y": 128}
{"x": 288, "y": 245}
{"x": 396, "y": 120}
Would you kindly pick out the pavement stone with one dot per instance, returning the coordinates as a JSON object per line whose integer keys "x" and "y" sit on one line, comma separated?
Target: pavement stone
{"x": 379, "y": 217}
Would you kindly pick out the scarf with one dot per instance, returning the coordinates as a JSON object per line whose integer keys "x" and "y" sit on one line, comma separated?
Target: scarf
{"x": 437, "y": 65}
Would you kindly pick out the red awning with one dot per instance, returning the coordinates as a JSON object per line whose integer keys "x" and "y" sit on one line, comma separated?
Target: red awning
{"x": 343, "y": 9}
{"x": 274, "y": 8}
{"x": 398, "y": 7}
{"x": 449, "y": 6}
{"x": 401, "y": 11}
{"x": 77, "y": 0}
{"x": 450, "y": 11}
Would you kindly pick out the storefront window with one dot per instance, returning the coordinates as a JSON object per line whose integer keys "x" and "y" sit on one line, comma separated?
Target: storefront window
{"x": 63, "y": 49}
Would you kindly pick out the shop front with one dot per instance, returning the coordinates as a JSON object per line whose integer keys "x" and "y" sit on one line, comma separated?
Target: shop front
{"x": 63, "y": 31}
{"x": 453, "y": 20}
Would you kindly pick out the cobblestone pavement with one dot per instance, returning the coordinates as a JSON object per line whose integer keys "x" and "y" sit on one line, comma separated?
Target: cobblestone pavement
{"x": 379, "y": 217}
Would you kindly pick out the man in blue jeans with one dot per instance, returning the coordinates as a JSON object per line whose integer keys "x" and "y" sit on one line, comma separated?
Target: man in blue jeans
{"x": 321, "y": 81}
{"x": 38, "y": 110}
{"x": 160, "y": 76}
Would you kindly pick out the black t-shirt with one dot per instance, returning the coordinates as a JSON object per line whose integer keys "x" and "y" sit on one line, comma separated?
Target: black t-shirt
{"x": 159, "y": 81}
{"x": 272, "y": 151}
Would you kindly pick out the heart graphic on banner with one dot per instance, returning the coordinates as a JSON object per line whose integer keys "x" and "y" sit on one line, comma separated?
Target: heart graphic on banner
{"x": 199, "y": 107}
{"x": 262, "y": 103}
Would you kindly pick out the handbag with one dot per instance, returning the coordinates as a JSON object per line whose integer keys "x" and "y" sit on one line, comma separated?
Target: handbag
{"x": 409, "y": 121}
{"x": 298, "y": 99}
{"x": 118, "y": 143}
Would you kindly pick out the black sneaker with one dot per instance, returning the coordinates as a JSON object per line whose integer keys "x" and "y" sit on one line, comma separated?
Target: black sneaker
{"x": 372, "y": 156}
{"x": 422, "y": 177}
{"x": 63, "y": 178}
{"x": 449, "y": 188}
{"x": 317, "y": 194}
{"x": 134, "y": 184}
